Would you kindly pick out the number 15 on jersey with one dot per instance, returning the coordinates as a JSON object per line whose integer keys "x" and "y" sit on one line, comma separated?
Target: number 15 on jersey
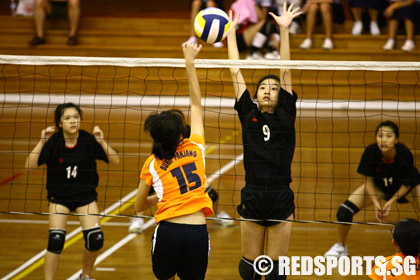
{"x": 190, "y": 176}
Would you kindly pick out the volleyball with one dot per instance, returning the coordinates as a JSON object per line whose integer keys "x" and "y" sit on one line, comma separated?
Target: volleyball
{"x": 211, "y": 25}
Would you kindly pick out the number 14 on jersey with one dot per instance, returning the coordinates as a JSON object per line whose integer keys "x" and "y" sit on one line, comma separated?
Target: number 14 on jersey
{"x": 71, "y": 172}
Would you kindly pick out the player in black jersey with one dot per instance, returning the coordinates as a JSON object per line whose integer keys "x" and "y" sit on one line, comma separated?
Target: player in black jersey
{"x": 70, "y": 155}
{"x": 268, "y": 135}
{"x": 390, "y": 175}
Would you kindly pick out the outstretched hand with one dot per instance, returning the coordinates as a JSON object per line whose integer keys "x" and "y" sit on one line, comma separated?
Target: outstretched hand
{"x": 99, "y": 135}
{"x": 288, "y": 15}
{"x": 46, "y": 133}
{"x": 233, "y": 22}
{"x": 191, "y": 51}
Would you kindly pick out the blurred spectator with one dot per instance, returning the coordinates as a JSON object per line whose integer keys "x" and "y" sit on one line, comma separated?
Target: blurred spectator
{"x": 268, "y": 36}
{"x": 54, "y": 9}
{"x": 196, "y": 6}
{"x": 407, "y": 11}
{"x": 255, "y": 29}
{"x": 311, "y": 8}
{"x": 373, "y": 7}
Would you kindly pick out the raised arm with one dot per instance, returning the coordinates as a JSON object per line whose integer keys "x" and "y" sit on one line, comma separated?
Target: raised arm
{"x": 237, "y": 78}
{"x": 190, "y": 53}
{"x": 109, "y": 151}
{"x": 284, "y": 22}
{"x": 32, "y": 159}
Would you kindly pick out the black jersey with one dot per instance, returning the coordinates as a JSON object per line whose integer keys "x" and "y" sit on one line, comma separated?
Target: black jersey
{"x": 71, "y": 171}
{"x": 269, "y": 140}
{"x": 389, "y": 176}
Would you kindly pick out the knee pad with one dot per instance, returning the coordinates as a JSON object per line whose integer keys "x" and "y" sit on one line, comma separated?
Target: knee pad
{"x": 94, "y": 239}
{"x": 274, "y": 274}
{"x": 56, "y": 240}
{"x": 346, "y": 211}
{"x": 212, "y": 193}
{"x": 246, "y": 270}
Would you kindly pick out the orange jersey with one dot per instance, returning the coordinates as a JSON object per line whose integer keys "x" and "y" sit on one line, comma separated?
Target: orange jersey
{"x": 389, "y": 273}
{"x": 180, "y": 183}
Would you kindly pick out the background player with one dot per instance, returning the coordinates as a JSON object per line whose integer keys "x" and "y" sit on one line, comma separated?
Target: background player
{"x": 406, "y": 240}
{"x": 390, "y": 174}
{"x": 70, "y": 155}
{"x": 176, "y": 170}
{"x": 268, "y": 136}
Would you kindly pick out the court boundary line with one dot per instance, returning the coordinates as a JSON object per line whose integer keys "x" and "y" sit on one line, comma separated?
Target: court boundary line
{"x": 10, "y": 179}
{"x": 76, "y": 231}
{"x": 114, "y": 248}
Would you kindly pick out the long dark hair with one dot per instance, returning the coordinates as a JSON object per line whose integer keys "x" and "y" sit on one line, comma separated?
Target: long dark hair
{"x": 59, "y": 111}
{"x": 166, "y": 129}
{"x": 390, "y": 124}
{"x": 407, "y": 236}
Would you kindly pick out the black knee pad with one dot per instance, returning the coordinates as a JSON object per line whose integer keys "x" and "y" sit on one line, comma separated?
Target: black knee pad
{"x": 346, "y": 211}
{"x": 274, "y": 274}
{"x": 56, "y": 240}
{"x": 246, "y": 270}
{"x": 94, "y": 239}
{"x": 212, "y": 193}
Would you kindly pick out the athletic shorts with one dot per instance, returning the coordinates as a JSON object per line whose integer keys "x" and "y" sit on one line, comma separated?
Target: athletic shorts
{"x": 240, "y": 41}
{"x": 58, "y": 10}
{"x": 219, "y": 4}
{"x": 73, "y": 203}
{"x": 402, "y": 199}
{"x": 266, "y": 205}
{"x": 180, "y": 249}
{"x": 369, "y": 4}
{"x": 410, "y": 12}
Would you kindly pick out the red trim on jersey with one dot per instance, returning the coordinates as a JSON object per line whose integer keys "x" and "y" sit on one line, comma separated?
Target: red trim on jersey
{"x": 70, "y": 148}
{"x": 385, "y": 161}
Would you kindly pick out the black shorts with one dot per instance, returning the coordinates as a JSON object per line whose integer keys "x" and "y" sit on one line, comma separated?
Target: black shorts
{"x": 410, "y": 12}
{"x": 219, "y": 4}
{"x": 180, "y": 249}
{"x": 370, "y": 4}
{"x": 403, "y": 199}
{"x": 58, "y": 10}
{"x": 240, "y": 41}
{"x": 266, "y": 205}
{"x": 73, "y": 203}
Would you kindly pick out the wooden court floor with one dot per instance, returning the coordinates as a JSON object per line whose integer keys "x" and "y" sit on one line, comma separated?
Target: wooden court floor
{"x": 328, "y": 149}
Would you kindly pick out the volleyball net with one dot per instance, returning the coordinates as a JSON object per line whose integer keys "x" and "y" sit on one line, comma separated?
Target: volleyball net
{"x": 339, "y": 106}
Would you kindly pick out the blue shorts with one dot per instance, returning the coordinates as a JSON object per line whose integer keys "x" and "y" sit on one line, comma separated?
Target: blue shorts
{"x": 180, "y": 249}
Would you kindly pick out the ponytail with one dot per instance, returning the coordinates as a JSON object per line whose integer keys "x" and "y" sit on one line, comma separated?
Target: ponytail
{"x": 166, "y": 129}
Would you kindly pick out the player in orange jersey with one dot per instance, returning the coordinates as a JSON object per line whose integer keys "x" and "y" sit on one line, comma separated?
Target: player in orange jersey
{"x": 176, "y": 170}
{"x": 406, "y": 240}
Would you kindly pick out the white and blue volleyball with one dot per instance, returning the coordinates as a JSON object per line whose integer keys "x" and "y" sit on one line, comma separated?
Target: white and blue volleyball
{"x": 211, "y": 25}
